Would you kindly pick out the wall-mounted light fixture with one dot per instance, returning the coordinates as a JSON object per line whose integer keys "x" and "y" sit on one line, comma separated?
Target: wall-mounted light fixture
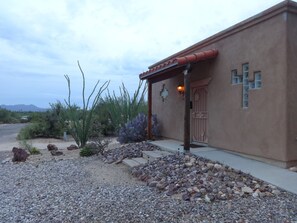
{"x": 181, "y": 89}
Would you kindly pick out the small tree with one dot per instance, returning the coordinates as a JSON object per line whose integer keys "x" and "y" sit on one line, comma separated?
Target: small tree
{"x": 80, "y": 120}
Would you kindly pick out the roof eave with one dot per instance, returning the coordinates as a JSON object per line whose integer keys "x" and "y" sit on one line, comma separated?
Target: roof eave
{"x": 152, "y": 74}
{"x": 178, "y": 62}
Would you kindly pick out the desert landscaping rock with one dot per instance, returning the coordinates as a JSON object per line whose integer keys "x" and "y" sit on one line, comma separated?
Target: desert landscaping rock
{"x": 132, "y": 150}
{"x": 56, "y": 153}
{"x": 19, "y": 155}
{"x": 52, "y": 147}
{"x": 195, "y": 178}
{"x": 247, "y": 190}
{"x": 90, "y": 190}
{"x": 72, "y": 147}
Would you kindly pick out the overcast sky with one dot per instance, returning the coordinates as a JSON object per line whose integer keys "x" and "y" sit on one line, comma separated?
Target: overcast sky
{"x": 41, "y": 41}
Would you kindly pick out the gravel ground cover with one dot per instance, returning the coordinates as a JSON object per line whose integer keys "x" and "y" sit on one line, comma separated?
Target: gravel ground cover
{"x": 90, "y": 190}
{"x": 5, "y": 155}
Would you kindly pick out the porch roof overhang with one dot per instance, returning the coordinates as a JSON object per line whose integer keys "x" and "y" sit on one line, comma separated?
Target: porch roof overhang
{"x": 160, "y": 72}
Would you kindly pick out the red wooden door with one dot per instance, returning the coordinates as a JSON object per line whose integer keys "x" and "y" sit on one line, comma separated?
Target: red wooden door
{"x": 199, "y": 115}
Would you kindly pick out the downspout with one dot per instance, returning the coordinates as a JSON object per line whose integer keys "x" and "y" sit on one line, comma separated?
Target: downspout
{"x": 187, "y": 93}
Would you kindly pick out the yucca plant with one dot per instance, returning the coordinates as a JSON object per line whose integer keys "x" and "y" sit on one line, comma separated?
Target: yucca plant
{"x": 80, "y": 119}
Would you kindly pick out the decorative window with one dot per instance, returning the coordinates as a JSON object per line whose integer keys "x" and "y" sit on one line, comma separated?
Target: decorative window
{"x": 246, "y": 84}
{"x": 258, "y": 80}
{"x": 235, "y": 78}
{"x": 251, "y": 85}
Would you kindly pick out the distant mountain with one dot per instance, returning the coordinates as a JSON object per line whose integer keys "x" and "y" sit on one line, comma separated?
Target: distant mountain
{"x": 23, "y": 108}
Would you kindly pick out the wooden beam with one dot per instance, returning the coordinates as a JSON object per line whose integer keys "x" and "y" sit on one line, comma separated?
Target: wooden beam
{"x": 187, "y": 110}
{"x": 149, "y": 115}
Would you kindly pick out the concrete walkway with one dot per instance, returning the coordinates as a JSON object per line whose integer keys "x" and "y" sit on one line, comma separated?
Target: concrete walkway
{"x": 277, "y": 176}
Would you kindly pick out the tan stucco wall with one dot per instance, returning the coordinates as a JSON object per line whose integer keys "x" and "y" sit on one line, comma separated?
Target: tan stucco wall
{"x": 261, "y": 129}
{"x": 292, "y": 87}
{"x": 169, "y": 112}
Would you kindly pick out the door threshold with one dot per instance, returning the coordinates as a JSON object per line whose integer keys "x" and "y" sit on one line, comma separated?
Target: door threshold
{"x": 196, "y": 145}
{"x": 201, "y": 144}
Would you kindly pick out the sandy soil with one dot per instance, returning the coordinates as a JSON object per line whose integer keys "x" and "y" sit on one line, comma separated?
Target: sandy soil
{"x": 114, "y": 174}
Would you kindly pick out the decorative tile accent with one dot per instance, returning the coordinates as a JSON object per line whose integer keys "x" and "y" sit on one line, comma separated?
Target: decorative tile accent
{"x": 246, "y": 84}
{"x": 164, "y": 93}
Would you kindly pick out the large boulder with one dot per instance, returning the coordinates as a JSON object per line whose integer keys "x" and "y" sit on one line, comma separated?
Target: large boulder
{"x": 19, "y": 155}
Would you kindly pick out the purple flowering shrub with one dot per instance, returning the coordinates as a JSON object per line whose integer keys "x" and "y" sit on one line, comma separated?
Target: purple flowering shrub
{"x": 136, "y": 129}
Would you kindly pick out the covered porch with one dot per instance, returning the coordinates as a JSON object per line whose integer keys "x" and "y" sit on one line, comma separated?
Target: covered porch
{"x": 179, "y": 64}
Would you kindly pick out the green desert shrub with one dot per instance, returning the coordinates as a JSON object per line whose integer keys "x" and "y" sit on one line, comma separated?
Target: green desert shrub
{"x": 86, "y": 151}
{"x": 28, "y": 146}
{"x": 8, "y": 116}
{"x": 54, "y": 121}
{"x": 94, "y": 148}
{"x": 114, "y": 111}
{"x": 31, "y": 131}
{"x": 49, "y": 124}
{"x": 34, "y": 151}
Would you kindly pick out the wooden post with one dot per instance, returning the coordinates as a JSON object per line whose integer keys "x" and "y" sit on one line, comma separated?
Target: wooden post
{"x": 149, "y": 115}
{"x": 187, "y": 109}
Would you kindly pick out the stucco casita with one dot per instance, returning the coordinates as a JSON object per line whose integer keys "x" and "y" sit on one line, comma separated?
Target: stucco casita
{"x": 266, "y": 129}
